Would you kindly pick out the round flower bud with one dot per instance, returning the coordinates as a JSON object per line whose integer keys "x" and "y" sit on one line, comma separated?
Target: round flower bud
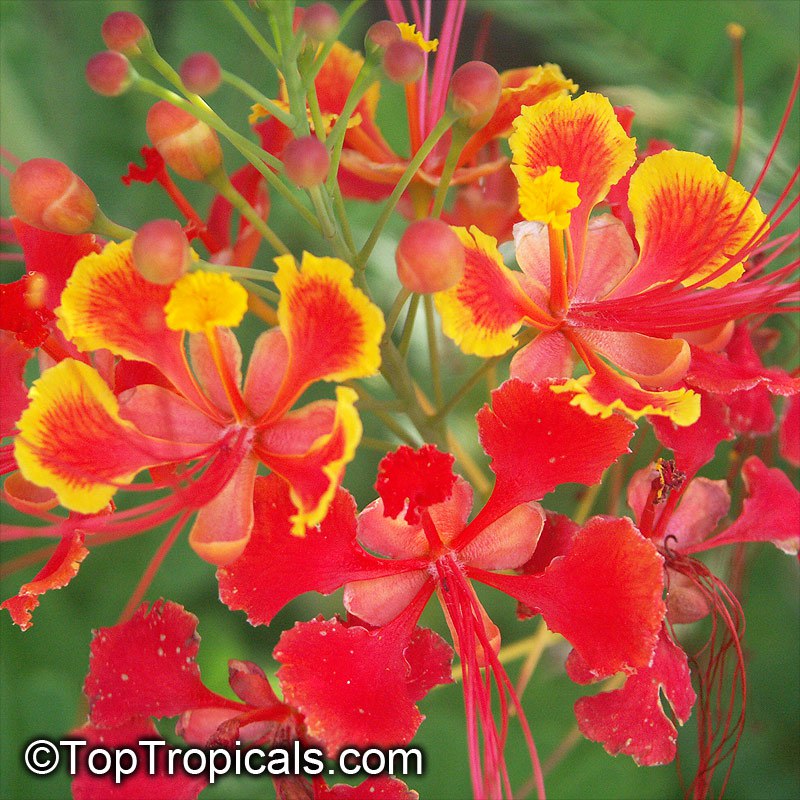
{"x": 187, "y": 145}
{"x": 109, "y": 73}
{"x": 474, "y": 93}
{"x": 306, "y": 161}
{"x": 380, "y": 36}
{"x": 201, "y": 73}
{"x": 123, "y": 31}
{"x": 403, "y": 61}
{"x": 429, "y": 257}
{"x": 47, "y": 194}
{"x": 161, "y": 251}
{"x": 320, "y": 22}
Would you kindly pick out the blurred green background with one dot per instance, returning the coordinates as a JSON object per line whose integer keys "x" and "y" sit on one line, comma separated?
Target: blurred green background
{"x": 671, "y": 61}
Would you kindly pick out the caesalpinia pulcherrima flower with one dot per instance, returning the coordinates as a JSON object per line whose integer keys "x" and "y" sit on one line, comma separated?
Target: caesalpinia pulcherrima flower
{"x": 78, "y": 439}
{"x": 587, "y": 288}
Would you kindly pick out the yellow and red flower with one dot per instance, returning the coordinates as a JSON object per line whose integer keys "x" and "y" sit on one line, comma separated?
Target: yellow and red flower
{"x": 84, "y": 442}
{"x": 588, "y": 288}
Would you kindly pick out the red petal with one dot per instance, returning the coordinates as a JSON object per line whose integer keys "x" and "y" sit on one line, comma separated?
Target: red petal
{"x": 60, "y": 569}
{"x": 790, "y": 432}
{"x": 381, "y": 788}
{"x": 770, "y": 513}
{"x": 631, "y": 720}
{"x": 355, "y": 686}
{"x": 695, "y": 445}
{"x": 604, "y": 596}
{"x": 421, "y": 477}
{"x": 23, "y": 312}
{"x": 146, "y": 666}
{"x": 538, "y": 441}
{"x": 139, "y": 784}
{"x": 13, "y": 358}
{"x": 276, "y": 566}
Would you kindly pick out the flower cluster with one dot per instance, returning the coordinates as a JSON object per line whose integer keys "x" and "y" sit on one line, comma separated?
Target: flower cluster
{"x": 157, "y": 379}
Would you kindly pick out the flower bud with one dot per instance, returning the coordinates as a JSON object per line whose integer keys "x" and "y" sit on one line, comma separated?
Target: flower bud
{"x": 380, "y": 36}
{"x": 123, "y": 31}
{"x": 306, "y": 161}
{"x": 161, "y": 251}
{"x": 474, "y": 93}
{"x": 188, "y": 145}
{"x": 320, "y": 22}
{"x": 403, "y": 61}
{"x": 47, "y": 194}
{"x": 429, "y": 257}
{"x": 201, "y": 73}
{"x": 109, "y": 73}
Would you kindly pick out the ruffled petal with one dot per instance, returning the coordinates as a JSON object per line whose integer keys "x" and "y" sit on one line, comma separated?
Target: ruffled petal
{"x": 356, "y": 687}
{"x": 223, "y": 525}
{"x": 276, "y": 566}
{"x": 653, "y": 363}
{"x": 691, "y": 221}
{"x": 311, "y": 456}
{"x": 604, "y": 391}
{"x": 332, "y": 329}
{"x": 60, "y": 569}
{"x": 107, "y": 304}
{"x": 23, "y": 311}
{"x": 770, "y": 511}
{"x": 548, "y": 357}
{"x": 484, "y": 310}
{"x": 631, "y": 720}
{"x": 73, "y": 440}
{"x": 121, "y": 683}
{"x": 604, "y": 595}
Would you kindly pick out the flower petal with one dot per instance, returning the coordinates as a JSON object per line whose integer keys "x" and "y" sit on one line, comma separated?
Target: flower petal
{"x": 392, "y": 538}
{"x": 610, "y": 256}
{"x": 23, "y": 311}
{"x": 691, "y": 220}
{"x": 770, "y": 511}
{"x": 73, "y": 440}
{"x": 549, "y": 356}
{"x": 223, "y": 525}
{"x": 60, "y": 569}
{"x": 202, "y": 300}
{"x": 604, "y": 595}
{"x": 268, "y": 363}
{"x": 653, "y": 363}
{"x": 205, "y": 368}
{"x": 313, "y": 467}
{"x": 354, "y": 686}
{"x": 412, "y": 480}
{"x": 276, "y": 566}
{"x": 380, "y": 600}
{"x": 107, "y": 304}
{"x": 332, "y": 328}
{"x": 484, "y": 310}
{"x": 13, "y": 358}
{"x": 789, "y": 436}
{"x": 632, "y": 720}
{"x": 509, "y": 541}
{"x": 121, "y": 684}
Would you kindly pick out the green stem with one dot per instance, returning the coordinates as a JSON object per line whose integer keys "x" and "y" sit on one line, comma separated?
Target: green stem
{"x": 250, "y": 91}
{"x": 220, "y": 181}
{"x": 109, "y": 229}
{"x": 408, "y": 328}
{"x": 467, "y": 386}
{"x": 397, "y": 307}
{"x": 433, "y": 351}
{"x": 235, "y": 272}
{"x": 261, "y": 291}
{"x": 461, "y": 135}
{"x": 439, "y": 130}
{"x": 247, "y": 26}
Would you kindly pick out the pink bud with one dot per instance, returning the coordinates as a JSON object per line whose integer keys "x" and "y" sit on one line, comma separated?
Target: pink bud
{"x": 381, "y": 35}
{"x": 403, "y": 62}
{"x": 188, "y": 145}
{"x": 320, "y": 22}
{"x": 161, "y": 251}
{"x": 47, "y": 194}
{"x": 306, "y": 161}
{"x": 474, "y": 93}
{"x": 429, "y": 257}
{"x": 109, "y": 73}
{"x": 122, "y": 31}
{"x": 201, "y": 73}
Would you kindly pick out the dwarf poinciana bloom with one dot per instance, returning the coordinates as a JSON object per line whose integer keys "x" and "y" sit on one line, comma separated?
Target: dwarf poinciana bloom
{"x": 81, "y": 441}
{"x": 537, "y": 440}
{"x": 159, "y": 677}
{"x": 586, "y": 287}
{"x": 681, "y": 519}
